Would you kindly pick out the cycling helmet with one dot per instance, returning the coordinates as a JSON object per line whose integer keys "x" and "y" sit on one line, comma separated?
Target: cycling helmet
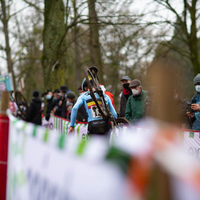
{"x": 84, "y": 84}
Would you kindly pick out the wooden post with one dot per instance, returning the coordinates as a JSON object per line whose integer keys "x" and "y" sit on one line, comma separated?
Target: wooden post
{"x": 4, "y": 131}
{"x": 5, "y": 99}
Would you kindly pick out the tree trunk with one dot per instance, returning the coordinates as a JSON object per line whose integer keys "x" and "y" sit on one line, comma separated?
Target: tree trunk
{"x": 76, "y": 50}
{"x": 53, "y": 60}
{"x": 194, "y": 55}
{"x": 95, "y": 50}
{"x": 193, "y": 40}
{"x": 6, "y": 34}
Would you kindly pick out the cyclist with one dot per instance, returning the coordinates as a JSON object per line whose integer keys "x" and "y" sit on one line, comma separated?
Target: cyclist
{"x": 96, "y": 124}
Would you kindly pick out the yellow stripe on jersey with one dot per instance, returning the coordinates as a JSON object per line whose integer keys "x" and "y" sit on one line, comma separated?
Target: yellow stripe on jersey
{"x": 92, "y": 103}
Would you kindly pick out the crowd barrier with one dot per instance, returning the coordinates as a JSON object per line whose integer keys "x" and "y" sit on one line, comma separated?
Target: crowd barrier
{"x": 45, "y": 164}
{"x": 63, "y": 125}
{"x": 190, "y": 138}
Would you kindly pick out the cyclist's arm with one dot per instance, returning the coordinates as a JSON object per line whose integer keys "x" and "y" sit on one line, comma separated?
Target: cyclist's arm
{"x": 112, "y": 109}
{"x": 75, "y": 110}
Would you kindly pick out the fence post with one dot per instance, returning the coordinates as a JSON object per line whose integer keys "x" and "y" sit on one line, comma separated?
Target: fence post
{"x": 4, "y": 131}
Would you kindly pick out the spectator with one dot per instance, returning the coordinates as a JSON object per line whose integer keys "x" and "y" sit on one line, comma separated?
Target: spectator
{"x": 195, "y": 102}
{"x": 57, "y": 97}
{"x": 50, "y": 105}
{"x": 67, "y": 90}
{"x": 62, "y": 102}
{"x": 126, "y": 93}
{"x": 71, "y": 100}
{"x": 42, "y": 99}
{"x": 108, "y": 93}
{"x": 135, "y": 107}
{"x": 35, "y": 112}
{"x": 80, "y": 90}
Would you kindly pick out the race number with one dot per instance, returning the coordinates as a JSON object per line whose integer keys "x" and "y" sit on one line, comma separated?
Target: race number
{"x": 95, "y": 112}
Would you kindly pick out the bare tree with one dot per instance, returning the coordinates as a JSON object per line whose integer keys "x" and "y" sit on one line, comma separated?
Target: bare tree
{"x": 53, "y": 60}
{"x": 186, "y": 29}
{"x": 95, "y": 50}
{"x": 5, "y": 20}
{"x": 76, "y": 47}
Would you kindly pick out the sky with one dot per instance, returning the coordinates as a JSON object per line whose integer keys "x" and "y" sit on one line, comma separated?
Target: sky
{"x": 138, "y": 6}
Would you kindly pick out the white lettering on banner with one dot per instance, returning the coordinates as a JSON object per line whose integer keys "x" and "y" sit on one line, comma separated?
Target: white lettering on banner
{"x": 41, "y": 189}
{"x": 48, "y": 124}
{"x": 192, "y": 144}
{"x": 194, "y": 152}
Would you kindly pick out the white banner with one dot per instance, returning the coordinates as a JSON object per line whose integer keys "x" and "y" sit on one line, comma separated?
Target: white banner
{"x": 44, "y": 166}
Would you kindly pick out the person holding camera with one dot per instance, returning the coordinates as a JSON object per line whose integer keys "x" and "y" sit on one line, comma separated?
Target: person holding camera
{"x": 194, "y": 112}
{"x": 182, "y": 106}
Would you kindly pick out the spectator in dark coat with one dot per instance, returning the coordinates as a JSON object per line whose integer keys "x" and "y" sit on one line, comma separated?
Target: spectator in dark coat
{"x": 57, "y": 97}
{"x": 62, "y": 102}
{"x": 126, "y": 93}
{"x": 71, "y": 100}
{"x": 35, "y": 112}
{"x": 50, "y": 104}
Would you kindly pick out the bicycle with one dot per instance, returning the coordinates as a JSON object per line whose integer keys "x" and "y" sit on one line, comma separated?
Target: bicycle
{"x": 22, "y": 105}
{"x": 91, "y": 75}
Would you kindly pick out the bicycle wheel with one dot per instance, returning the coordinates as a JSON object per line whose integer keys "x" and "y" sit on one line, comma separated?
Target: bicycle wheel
{"x": 21, "y": 104}
{"x": 90, "y": 77}
{"x": 122, "y": 121}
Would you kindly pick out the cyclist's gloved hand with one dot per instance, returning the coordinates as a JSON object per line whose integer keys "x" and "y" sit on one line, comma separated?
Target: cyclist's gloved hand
{"x": 71, "y": 130}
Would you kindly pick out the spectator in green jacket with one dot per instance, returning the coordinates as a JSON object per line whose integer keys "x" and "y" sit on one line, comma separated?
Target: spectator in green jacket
{"x": 135, "y": 107}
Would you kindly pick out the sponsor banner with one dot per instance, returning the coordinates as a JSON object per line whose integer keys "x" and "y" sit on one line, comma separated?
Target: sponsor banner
{"x": 43, "y": 165}
{"x": 6, "y": 82}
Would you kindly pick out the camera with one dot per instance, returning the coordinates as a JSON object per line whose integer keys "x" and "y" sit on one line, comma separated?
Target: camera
{"x": 190, "y": 109}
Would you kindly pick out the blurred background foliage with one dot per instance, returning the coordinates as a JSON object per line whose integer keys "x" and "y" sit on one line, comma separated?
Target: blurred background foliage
{"x": 50, "y": 42}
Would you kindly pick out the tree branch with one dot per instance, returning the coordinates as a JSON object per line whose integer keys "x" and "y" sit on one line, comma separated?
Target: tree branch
{"x": 34, "y": 6}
